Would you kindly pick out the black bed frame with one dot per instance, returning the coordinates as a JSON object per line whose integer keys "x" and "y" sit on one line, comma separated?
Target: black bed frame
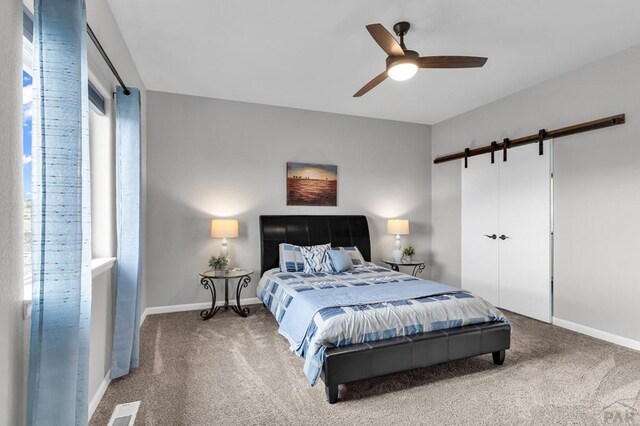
{"x": 366, "y": 360}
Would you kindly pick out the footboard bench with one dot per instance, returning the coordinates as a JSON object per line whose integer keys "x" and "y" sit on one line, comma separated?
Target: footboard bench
{"x": 368, "y": 360}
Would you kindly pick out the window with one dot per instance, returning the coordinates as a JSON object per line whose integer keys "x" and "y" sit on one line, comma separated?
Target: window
{"x": 103, "y": 181}
{"x": 27, "y": 122}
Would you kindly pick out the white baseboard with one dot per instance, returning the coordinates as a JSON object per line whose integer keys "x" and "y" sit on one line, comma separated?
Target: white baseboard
{"x": 97, "y": 397}
{"x": 192, "y": 307}
{"x": 598, "y": 334}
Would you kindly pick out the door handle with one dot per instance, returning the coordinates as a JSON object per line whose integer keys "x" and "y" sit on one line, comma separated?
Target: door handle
{"x": 503, "y": 237}
{"x": 492, "y": 236}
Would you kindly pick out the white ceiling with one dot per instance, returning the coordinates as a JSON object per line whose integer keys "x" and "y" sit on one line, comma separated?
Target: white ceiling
{"x": 314, "y": 54}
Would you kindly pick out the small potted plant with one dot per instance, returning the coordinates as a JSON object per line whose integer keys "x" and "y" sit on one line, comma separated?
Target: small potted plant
{"x": 408, "y": 253}
{"x": 218, "y": 263}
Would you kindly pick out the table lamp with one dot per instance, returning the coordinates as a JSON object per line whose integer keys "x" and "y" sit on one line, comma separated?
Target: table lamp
{"x": 398, "y": 227}
{"x": 224, "y": 228}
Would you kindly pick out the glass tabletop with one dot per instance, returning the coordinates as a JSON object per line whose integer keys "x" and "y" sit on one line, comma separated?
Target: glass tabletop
{"x": 413, "y": 262}
{"x": 229, "y": 273}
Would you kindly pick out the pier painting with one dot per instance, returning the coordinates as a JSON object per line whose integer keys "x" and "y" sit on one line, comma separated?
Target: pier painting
{"x": 312, "y": 184}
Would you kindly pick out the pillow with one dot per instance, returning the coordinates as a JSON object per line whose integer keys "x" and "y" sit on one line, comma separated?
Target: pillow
{"x": 356, "y": 257}
{"x": 316, "y": 258}
{"x": 340, "y": 260}
{"x": 290, "y": 258}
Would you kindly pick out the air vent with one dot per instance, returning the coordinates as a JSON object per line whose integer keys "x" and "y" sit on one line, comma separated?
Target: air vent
{"x": 124, "y": 414}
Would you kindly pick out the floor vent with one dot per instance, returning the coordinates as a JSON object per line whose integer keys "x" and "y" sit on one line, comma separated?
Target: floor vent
{"x": 124, "y": 414}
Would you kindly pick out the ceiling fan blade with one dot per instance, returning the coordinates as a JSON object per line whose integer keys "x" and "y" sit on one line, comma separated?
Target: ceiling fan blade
{"x": 385, "y": 40}
{"x": 370, "y": 85}
{"x": 451, "y": 61}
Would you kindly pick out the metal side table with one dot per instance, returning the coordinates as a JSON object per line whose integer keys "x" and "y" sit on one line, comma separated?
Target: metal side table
{"x": 418, "y": 265}
{"x": 207, "y": 279}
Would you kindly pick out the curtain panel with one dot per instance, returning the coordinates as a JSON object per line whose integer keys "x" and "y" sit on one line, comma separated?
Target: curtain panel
{"x": 126, "y": 334}
{"x": 59, "y": 348}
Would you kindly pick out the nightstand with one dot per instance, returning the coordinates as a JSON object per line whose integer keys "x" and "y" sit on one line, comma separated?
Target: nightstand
{"x": 418, "y": 265}
{"x": 207, "y": 279}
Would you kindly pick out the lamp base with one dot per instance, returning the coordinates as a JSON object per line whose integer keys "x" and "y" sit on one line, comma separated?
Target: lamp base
{"x": 224, "y": 249}
{"x": 397, "y": 256}
{"x": 397, "y": 253}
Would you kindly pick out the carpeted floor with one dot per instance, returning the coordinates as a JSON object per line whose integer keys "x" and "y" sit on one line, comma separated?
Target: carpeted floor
{"x": 232, "y": 370}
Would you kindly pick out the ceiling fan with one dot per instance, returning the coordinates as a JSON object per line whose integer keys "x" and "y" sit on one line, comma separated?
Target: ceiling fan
{"x": 402, "y": 64}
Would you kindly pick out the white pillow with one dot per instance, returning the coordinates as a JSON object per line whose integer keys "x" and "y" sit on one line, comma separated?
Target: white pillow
{"x": 316, "y": 258}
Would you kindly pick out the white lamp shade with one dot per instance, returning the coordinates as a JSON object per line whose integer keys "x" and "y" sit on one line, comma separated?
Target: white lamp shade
{"x": 224, "y": 228}
{"x": 398, "y": 226}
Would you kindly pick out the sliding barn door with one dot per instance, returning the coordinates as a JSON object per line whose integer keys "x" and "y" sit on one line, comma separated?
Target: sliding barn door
{"x": 480, "y": 210}
{"x": 525, "y": 223}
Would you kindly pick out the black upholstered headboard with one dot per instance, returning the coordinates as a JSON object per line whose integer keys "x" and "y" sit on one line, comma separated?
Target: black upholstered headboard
{"x": 311, "y": 230}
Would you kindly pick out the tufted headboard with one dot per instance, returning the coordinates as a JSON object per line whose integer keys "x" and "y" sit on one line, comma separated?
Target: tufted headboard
{"x": 311, "y": 230}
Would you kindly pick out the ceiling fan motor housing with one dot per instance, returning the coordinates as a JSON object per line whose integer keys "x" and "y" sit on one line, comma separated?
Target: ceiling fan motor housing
{"x": 410, "y": 56}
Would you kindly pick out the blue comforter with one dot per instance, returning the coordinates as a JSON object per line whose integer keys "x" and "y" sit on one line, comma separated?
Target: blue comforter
{"x": 317, "y": 311}
{"x": 298, "y": 317}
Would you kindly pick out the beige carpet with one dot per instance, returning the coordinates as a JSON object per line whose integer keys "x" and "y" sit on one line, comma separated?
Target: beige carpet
{"x": 232, "y": 370}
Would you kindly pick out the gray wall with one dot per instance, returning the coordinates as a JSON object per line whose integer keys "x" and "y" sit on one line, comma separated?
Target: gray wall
{"x": 597, "y": 192}
{"x": 11, "y": 279}
{"x": 210, "y": 158}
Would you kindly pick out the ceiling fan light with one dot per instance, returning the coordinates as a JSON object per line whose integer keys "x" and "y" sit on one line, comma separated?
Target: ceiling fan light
{"x": 402, "y": 71}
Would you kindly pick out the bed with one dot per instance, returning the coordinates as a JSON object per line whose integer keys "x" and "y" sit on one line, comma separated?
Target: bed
{"x": 371, "y": 321}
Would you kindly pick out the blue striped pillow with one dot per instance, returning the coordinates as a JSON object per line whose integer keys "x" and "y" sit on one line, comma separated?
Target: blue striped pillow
{"x": 290, "y": 258}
